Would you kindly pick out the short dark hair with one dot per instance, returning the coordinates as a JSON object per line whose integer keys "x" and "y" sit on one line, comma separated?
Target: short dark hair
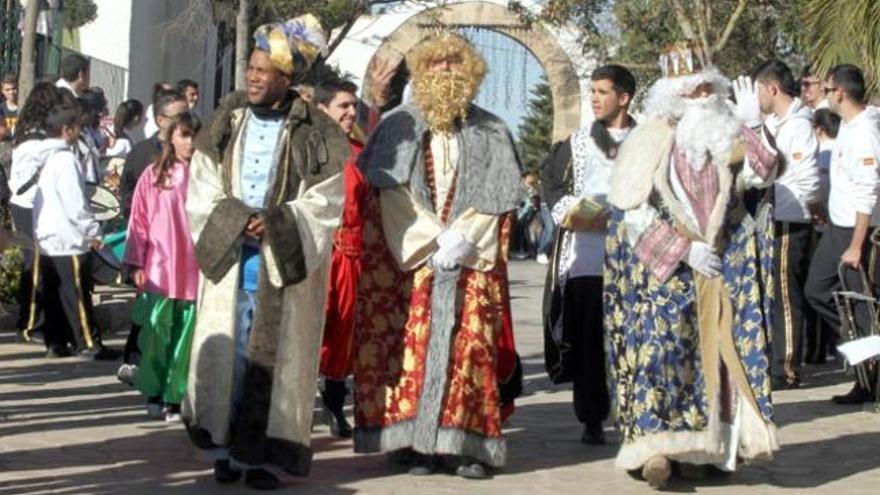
{"x": 160, "y": 87}
{"x": 93, "y": 104}
{"x": 810, "y": 70}
{"x": 850, "y": 80}
{"x": 622, "y": 79}
{"x": 60, "y": 116}
{"x": 186, "y": 83}
{"x": 72, "y": 65}
{"x": 776, "y": 70}
{"x": 325, "y": 91}
{"x": 9, "y": 79}
{"x": 828, "y": 121}
{"x": 126, "y": 112}
{"x": 166, "y": 98}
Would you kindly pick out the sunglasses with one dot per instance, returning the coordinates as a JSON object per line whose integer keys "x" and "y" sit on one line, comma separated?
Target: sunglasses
{"x": 829, "y": 90}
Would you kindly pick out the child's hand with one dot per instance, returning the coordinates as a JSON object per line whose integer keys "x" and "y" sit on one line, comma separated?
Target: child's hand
{"x": 96, "y": 244}
{"x": 139, "y": 278}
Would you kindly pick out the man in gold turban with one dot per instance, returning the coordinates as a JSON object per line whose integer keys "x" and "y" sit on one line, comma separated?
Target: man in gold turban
{"x": 265, "y": 196}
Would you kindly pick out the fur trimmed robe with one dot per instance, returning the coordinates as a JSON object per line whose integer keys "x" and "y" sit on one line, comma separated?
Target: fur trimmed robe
{"x": 303, "y": 207}
{"x": 688, "y": 355}
{"x": 434, "y": 345}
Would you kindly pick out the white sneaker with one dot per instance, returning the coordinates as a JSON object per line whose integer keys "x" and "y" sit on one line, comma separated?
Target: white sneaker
{"x": 172, "y": 417}
{"x": 126, "y": 372}
{"x": 542, "y": 259}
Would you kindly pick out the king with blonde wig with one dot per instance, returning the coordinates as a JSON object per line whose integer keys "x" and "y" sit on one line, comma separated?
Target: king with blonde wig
{"x": 445, "y": 95}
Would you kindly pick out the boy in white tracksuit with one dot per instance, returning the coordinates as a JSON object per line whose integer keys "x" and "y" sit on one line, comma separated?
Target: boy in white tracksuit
{"x": 66, "y": 231}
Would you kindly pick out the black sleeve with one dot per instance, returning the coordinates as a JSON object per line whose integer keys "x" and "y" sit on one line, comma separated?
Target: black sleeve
{"x": 140, "y": 157}
{"x": 553, "y": 172}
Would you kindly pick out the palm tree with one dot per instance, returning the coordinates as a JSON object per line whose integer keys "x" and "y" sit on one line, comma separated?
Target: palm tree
{"x": 845, "y": 32}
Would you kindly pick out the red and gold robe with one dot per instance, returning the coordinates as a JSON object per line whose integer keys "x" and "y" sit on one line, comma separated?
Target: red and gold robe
{"x": 345, "y": 269}
{"x": 432, "y": 346}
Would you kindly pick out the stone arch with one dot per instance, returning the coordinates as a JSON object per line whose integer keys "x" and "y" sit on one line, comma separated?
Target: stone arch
{"x": 562, "y": 72}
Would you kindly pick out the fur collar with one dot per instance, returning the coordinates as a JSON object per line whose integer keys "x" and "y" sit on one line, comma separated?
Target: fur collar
{"x": 644, "y": 165}
{"x": 639, "y": 157}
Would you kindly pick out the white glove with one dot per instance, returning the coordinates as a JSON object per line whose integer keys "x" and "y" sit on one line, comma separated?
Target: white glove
{"x": 702, "y": 258}
{"x": 453, "y": 249}
{"x": 748, "y": 107}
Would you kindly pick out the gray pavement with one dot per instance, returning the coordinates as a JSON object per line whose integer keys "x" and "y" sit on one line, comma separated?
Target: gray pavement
{"x": 69, "y": 427}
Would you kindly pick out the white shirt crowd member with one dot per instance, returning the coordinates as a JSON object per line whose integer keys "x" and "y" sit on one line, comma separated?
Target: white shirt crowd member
{"x": 799, "y": 183}
{"x": 63, "y": 224}
{"x": 583, "y": 253}
{"x": 853, "y": 172}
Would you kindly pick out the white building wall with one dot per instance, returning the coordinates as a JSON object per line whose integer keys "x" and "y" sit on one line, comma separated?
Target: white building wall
{"x": 133, "y": 34}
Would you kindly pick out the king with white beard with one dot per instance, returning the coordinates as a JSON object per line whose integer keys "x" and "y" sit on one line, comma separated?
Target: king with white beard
{"x": 688, "y": 277}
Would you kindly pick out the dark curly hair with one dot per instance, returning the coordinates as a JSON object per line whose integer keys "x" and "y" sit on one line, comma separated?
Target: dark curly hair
{"x": 33, "y": 113}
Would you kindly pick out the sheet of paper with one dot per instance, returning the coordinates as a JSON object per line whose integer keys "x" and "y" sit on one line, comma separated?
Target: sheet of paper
{"x": 859, "y": 350}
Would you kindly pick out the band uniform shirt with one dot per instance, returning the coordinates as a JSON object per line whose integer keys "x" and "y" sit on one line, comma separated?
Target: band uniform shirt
{"x": 798, "y": 185}
{"x": 853, "y": 171}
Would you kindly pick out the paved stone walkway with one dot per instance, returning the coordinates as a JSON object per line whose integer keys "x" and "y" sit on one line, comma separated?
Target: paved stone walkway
{"x": 69, "y": 427}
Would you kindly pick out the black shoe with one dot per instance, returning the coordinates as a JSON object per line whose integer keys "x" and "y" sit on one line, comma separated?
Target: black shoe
{"x": 780, "y": 383}
{"x": 857, "y": 395}
{"x": 593, "y": 435}
{"x": 58, "y": 352}
{"x": 339, "y": 426}
{"x": 472, "y": 470}
{"x": 423, "y": 465}
{"x": 100, "y": 353}
{"x": 223, "y": 472}
{"x": 260, "y": 479}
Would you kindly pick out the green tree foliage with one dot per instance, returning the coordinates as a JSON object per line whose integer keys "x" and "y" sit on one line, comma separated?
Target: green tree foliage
{"x": 535, "y": 132}
{"x": 633, "y": 33}
{"x": 78, "y": 13}
{"x": 845, "y": 34}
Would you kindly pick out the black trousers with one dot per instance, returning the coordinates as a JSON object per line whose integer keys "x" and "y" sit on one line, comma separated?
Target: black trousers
{"x": 333, "y": 394}
{"x": 67, "y": 288}
{"x": 792, "y": 315}
{"x": 823, "y": 277}
{"x": 582, "y": 327}
{"x": 29, "y": 289}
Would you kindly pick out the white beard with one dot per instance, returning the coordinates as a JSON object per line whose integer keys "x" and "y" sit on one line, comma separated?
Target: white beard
{"x": 707, "y": 127}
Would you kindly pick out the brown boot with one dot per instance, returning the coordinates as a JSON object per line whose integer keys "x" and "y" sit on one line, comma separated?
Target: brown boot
{"x": 656, "y": 471}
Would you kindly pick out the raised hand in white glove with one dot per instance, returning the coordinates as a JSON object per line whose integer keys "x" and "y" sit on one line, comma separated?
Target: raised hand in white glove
{"x": 702, "y": 258}
{"x": 748, "y": 107}
{"x": 453, "y": 249}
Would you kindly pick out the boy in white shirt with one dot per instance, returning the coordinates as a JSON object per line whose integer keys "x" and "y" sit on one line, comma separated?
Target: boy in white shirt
{"x": 66, "y": 231}
{"x": 853, "y": 211}
{"x": 796, "y": 196}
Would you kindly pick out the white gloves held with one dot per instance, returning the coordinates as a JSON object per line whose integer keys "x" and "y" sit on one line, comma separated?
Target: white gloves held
{"x": 748, "y": 107}
{"x": 702, "y": 258}
{"x": 453, "y": 249}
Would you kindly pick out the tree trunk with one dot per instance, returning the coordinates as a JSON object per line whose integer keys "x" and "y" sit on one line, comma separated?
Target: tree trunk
{"x": 28, "y": 50}
{"x": 242, "y": 33}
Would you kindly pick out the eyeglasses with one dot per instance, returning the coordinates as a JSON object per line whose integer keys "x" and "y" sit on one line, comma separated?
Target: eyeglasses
{"x": 829, "y": 90}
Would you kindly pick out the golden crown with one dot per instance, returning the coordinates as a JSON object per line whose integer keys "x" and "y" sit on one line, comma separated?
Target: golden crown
{"x": 683, "y": 58}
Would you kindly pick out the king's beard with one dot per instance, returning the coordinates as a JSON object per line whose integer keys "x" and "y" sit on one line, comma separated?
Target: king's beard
{"x": 707, "y": 128}
{"x": 443, "y": 97}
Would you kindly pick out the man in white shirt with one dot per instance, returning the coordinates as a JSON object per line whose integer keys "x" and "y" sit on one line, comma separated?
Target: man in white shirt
{"x": 852, "y": 205}
{"x": 579, "y": 169}
{"x": 811, "y": 89}
{"x": 796, "y": 195}
{"x": 75, "y": 70}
